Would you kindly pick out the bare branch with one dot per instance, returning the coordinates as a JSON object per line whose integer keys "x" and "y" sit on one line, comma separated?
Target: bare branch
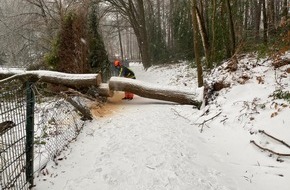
{"x": 282, "y": 142}
{"x": 204, "y": 122}
{"x": 269, "y": 150}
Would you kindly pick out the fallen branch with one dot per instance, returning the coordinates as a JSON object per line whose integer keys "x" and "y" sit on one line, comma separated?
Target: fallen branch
{"x": 73, "y": 92}
{"x": 261, "y": 64}
{"x": 269, "y": 150}
{"x": 203, "y": 123}
{"x": 4, "y": 126}
{"x": 280, "y": 141}
{"x": 280, "y": 62}
{"x": 179, "y": 115}
{"x": 86, "y": 113}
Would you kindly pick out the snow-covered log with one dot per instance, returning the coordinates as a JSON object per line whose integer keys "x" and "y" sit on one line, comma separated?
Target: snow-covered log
{"x": 104, "y": 90}
{"x": 140, "y": 88}
{"x": 148, "y": 90}
{"x": 70, "y": 80}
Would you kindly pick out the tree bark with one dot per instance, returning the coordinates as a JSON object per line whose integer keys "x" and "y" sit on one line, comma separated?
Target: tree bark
{"x": 147, "y": 90}
{"x": 204, "y": 37}
{"x": 120, "y": 37}
{"x": 271, "y": 17}
{"x": 104, "y": 90}
{"x": 231, "y": 27}
{"x": 196, "y": 45}
{"x": 145, "y": 48}
{"x": 285, "y": 9}
{"x": 213, "y": 32}
{"x": 265, "y": 23}
{"x": 170, "y": 40}
{"x": 66, "y": 79}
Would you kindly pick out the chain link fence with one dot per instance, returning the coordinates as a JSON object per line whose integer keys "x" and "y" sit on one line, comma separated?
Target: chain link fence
{"x": 34, "y": 129}
{"x": 13, "y": 136}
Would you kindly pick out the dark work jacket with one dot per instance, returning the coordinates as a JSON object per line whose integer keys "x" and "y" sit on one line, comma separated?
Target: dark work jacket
{"x": 125, "y": 72}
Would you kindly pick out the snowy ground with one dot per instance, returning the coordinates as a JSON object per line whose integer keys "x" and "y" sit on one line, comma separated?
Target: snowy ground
{"x": 150, "y": 144}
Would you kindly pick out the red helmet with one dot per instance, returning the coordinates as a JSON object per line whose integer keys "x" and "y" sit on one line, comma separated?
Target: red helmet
{"x": 117, "y": 63}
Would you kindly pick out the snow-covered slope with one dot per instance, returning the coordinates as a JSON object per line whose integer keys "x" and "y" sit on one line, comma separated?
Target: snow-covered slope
{"x": 151, "y": 144}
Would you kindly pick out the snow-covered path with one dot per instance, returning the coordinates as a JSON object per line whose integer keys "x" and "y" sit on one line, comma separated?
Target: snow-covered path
{"x": 133, "y": 151}
{"x": 148, "y": 144}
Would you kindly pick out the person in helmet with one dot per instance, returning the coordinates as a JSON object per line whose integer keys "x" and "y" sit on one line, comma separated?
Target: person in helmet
{"x": 125, "y": 72}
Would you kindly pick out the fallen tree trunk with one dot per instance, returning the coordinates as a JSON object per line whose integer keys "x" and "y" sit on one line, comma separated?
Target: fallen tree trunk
{"x": 104, "y": 90}
{"x": 148, "y": 90}
{"x": 66, "y": 79}
{"x": 140, "y": 88}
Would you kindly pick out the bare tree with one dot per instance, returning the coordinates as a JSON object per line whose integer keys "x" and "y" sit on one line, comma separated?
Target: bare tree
{"x": 135, "y": 13}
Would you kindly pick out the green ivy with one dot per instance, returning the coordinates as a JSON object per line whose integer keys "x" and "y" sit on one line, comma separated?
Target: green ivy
{"x": 279, "y": 94}
{"x": 52, "y": 58}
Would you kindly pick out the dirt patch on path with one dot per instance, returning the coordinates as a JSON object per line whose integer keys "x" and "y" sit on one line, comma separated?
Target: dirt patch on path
{"x": 110, "y": 107}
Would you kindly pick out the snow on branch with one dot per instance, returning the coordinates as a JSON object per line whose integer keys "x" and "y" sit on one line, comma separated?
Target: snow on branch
{"x": 67, "y": 79}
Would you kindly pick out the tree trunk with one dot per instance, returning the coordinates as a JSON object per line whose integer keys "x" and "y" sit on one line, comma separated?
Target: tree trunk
{"x": 144, "y": 45}
{"x": 257, "y": 20}
{"x": 231, "y": 27}
{"x": 204, "y": 38}
{"x": 196, "y": 45}
{"x": 265, "y": 23}
{"x": 120, "y": 37}
{"x": 170, "y": 26}
{"x": 154, "y": 92}
{"x": 246, "y": 18}
{"x": 104, "y": 90}
{"x": 69, "y": 80}
{"x": 271, "y": 17}
{"x": 213, "y": 32}
{"x": 115, "y": 84}
{"x": 285, "y": 9}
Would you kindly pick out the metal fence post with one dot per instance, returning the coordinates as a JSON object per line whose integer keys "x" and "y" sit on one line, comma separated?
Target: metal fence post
{"x": 30, "y": 101}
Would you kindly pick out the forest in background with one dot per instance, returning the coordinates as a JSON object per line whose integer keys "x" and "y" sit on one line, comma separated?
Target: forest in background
{"x": 83, "y": 36}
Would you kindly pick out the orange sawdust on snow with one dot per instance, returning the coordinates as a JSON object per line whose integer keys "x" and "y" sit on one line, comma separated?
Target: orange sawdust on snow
{"x": 110, "y": 107}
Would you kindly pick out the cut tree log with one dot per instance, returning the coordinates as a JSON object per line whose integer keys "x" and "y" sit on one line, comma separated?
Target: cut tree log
{"x": 66, "y": 79}
{"x": 143, "y": 89}
{"x": 104, "y": 90}
{"x": 148, "y": 90}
